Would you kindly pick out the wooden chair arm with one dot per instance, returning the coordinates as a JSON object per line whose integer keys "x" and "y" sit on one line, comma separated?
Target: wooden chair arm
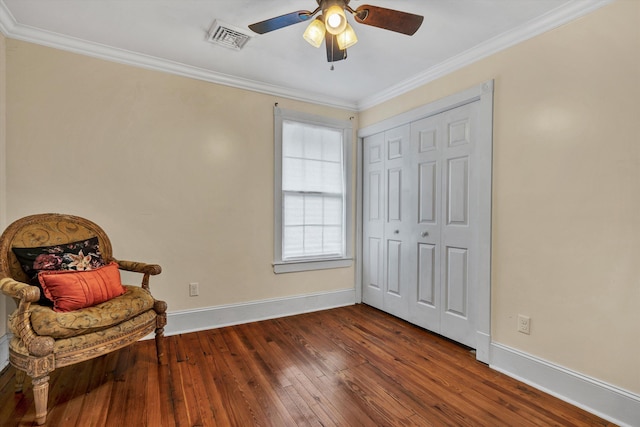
{"x": 20, "y": 320}
{"x": 140, "y": 267}
{"x": 19, "y": 291}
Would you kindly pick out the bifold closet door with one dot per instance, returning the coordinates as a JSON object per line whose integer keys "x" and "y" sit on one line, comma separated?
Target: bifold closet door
{"x": 446, "y": 198}
{"x": 386, "y": 228}
{"x": 419, "y": 243}
{"x": 373, "y": 218}
{"x": 397, "y": 237}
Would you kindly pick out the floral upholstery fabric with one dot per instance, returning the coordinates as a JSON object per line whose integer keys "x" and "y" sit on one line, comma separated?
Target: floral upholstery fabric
{"x": 47, "y": 322}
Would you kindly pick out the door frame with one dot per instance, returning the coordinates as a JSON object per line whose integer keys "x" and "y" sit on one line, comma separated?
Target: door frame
{"x": 483, "y": 93}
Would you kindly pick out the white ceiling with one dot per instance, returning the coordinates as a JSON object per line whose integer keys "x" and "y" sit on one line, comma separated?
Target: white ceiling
{"x": 170, "y": 35}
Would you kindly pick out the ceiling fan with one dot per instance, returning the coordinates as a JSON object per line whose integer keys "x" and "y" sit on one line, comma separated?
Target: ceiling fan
{"x": 332, "y": 25}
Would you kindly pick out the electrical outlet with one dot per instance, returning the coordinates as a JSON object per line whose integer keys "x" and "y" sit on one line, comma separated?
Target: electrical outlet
{"x": 193, "y": 289}
{"x": 524, "y": 324}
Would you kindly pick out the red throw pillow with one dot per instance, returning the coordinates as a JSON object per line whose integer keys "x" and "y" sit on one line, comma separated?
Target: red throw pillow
{"x": 71, "y": 290}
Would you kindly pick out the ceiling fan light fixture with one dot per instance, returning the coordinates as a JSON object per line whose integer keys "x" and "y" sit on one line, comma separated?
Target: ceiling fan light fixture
{"x": 314, "y": 34}
{"x": 331, "y": 25}
{"x": 347, "y": 38}
{"x": 335, "y": 19}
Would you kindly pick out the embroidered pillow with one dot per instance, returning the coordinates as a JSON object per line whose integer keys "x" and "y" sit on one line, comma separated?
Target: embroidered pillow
{"x": 71, "y": 290}
{"x": 79, "y": 256}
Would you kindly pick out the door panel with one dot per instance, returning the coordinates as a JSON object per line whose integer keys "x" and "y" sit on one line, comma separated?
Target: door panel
{"x": 374, "y": 194}
{"x": 459, "y": 132}
{"x": 426, "y": 274}
{"x": 458, "y": 191}
{"x": 394, "y": 267}
{"x": 427, "y": 203}
{"x": 394, "y": 145}
{"x": 374, "y": 249}
{"x": 394, "y": 195}
{"x": 456, "y": 282}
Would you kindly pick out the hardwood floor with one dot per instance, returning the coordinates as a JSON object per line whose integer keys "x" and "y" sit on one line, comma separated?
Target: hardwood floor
{"x": 350, "y": 366}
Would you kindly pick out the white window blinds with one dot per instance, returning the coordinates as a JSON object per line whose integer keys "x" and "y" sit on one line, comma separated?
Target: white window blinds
{"x": 313, "y": 191}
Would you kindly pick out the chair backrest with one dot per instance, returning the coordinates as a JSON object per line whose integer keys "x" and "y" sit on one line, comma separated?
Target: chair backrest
{"x": 46, "y": 230}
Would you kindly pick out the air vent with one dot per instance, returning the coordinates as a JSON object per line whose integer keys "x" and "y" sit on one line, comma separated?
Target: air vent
{"x": 227, "y": 35}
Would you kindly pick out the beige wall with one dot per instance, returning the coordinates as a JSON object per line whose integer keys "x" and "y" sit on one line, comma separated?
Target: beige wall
{"x": 178, "y": 171}
{"x": 566, "y": 190}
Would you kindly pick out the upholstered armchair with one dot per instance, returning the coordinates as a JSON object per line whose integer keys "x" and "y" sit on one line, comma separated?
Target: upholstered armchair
{"x": 88, "y": 312}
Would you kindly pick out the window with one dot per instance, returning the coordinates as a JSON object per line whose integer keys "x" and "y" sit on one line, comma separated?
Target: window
{"x": 312, "y": 192}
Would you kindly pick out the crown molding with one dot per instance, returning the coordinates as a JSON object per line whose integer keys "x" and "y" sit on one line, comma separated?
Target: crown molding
{"x": 7, "y": 21}
{"x": 555, "y": 18}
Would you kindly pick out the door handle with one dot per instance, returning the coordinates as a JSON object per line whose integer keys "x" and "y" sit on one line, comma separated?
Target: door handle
{"x": 425, "y": 233}
{"x": 396, "y": 231}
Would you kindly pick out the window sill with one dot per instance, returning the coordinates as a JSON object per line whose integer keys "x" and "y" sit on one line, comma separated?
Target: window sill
{"x": 307, "y": 265}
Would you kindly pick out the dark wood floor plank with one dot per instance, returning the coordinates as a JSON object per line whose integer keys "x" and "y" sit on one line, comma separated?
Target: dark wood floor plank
{"x": 150, "y": 372}
{"x": 257, "y": 337}
{"x": 96, "y": 403}
{"x": 211, "y": 378}
{"x": 350, "y": 366}
{"x": 165, "y": 386}
{"x": 307, "y": 397}
{"x": 184, "y": 398}
{"x": 72, "y": 415}
{"x": 15, "y": 407}
{"x": 200, "y": 412}
{"x": 137, "y": 409}
{"x": 222, "y": 384}
{"x": 123, "y": 372}
{"x": 255, "y": 380}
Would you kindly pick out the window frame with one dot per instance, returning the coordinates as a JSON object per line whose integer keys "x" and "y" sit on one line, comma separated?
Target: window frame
{"x": 312, "y": 263}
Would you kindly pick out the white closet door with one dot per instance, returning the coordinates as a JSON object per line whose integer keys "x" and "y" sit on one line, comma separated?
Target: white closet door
{"x": 398, "y": 254}
{"x": 426, "y": 181}
{"x": 445, "y": 199}
{"x": 459, "y": 230}
{"x": 420, "y": 234}
{"x": 373, "y": 212}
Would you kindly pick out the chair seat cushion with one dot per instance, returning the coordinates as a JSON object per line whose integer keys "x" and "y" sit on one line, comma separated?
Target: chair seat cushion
{"x": 74, "y": 349}
{"x": 47, "y": 322}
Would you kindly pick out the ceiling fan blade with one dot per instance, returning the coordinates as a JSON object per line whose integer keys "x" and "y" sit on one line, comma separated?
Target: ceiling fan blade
{"x": 389, "y": 19}
{"x": 333, "y": 50}
{"x": 281, "y": 21}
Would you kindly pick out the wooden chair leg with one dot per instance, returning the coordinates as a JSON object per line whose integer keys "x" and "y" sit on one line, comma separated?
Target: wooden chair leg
{"x": 41, "y": 396}
{"x": 162, "y": 358}
{"x": 160, "y": 307}
{"x": 20, "y": 377}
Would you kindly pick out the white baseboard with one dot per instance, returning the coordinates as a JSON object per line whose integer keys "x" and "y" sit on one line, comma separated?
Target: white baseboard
{"x": 4, "y": 350}
{"x": 609, "y": 402}
{"x": 179, "y": 322}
